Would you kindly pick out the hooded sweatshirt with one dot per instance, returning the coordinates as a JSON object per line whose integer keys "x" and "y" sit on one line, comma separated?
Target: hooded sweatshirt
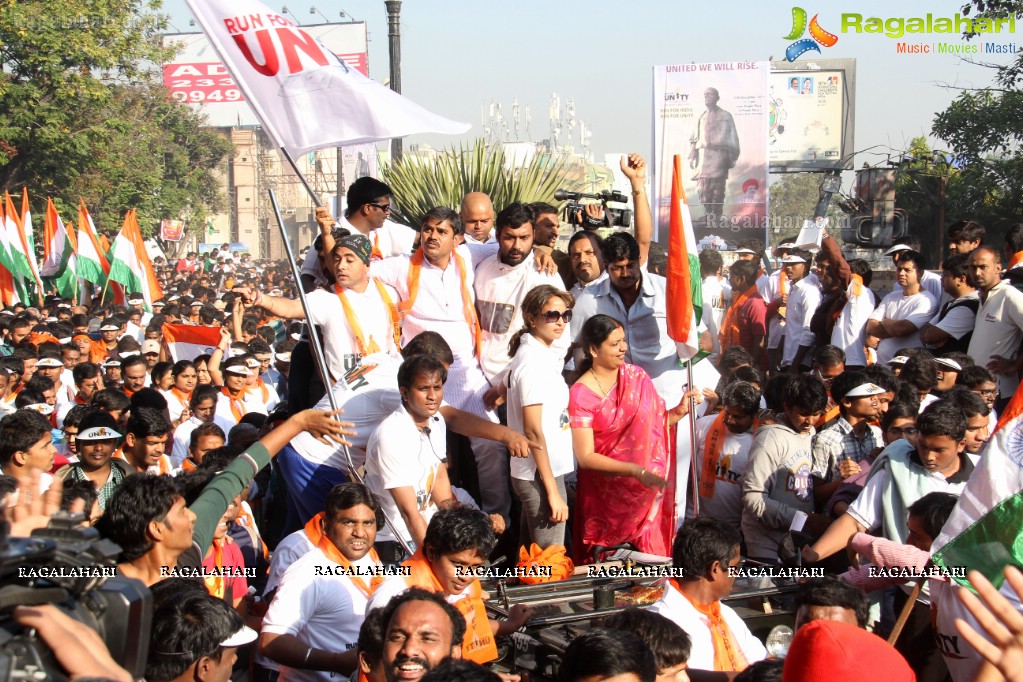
{"x": 778, "y": 482}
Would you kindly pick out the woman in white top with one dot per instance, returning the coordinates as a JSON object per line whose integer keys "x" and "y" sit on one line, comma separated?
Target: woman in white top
{"x": 538, "y": 408}
{"x": 178, "y": 395}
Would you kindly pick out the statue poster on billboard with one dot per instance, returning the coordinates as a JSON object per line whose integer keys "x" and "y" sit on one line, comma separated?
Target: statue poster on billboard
{"x": 716, "y": 117}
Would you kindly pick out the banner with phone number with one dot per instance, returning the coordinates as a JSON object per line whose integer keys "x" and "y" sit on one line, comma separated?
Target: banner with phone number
{"x": 210, "y": 82}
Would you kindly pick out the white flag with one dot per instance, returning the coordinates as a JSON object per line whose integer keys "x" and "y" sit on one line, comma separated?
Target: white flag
{"x": 305, "y": 95}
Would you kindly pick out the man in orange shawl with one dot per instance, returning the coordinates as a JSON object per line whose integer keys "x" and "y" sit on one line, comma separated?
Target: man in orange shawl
{"x": 706, "y": 553}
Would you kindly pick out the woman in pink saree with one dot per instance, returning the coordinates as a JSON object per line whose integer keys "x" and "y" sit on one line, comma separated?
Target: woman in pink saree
{"x": 626, "y": 480}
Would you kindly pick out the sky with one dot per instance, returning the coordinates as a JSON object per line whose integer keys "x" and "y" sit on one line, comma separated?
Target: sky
{"x": 457, "y": 55}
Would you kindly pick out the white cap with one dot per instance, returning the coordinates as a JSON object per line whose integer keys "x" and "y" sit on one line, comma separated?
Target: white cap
{"x": 98, "y": 433}
{"x": 110, "y": 328}
{"x": 137, "y": 300}
{"x": 129, "y": 353}
{"x": 751, "y": 251}
{"x": 42, "y": 408}
{"x": 897, "y": 248}
{"x": 947, "y": 362}
{"x": 49, "y": 362}
{"x": 111, "y": 363}
{"x": 793, "y": 259}
{"x": 864, "y": 390}
{"x": 244, "y": 636}
{"x": 898, "y": 360}
{"x": 240, "y": 370}
{"x": 150, "y": 346}
{"x": 283, "y": 357}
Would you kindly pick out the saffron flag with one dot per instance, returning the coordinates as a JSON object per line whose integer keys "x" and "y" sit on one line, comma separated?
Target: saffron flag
{"x": 305, "y": 95}
{"x": 684, "y": 293}
{"x": 130, "y": 264}
{"x": 985, "y": 529}
{"x": 60, "y": 264}
{"x": 92, "y": 263}
{"x": 187, "y": 342}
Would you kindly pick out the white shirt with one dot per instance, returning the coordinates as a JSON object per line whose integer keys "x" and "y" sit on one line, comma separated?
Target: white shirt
{"x": 500, "y": 289}
{"x": 183, "y": 436}
{"x": 674, "y": 606}
{"x": 438, "y": 306}
{"x": 322, "y": 611}
{"x": 372, "y": 313}
{"x": 399, "y": 456}
{"x": 804, "y": 297}
{"x": 714, "y": 296}
{"x": 535, "y": 379}
{"x": 769, "y": 288}
{"x": 726, "y": 503}
{"x": 646, "y": 330}
{"x": 289, "y": 550}
{"x": 999, "y": 331}
{"x": 959, "y": 321}
{"x": 578, "y": 288}
{"x": 175, "y": 406}
{"x": 850, "y": 330}
{"x": 918, "y": 309}
{"x": 929, "y": 282}
{"x": 391, "y": 239}
{"x": 368, "y": 395}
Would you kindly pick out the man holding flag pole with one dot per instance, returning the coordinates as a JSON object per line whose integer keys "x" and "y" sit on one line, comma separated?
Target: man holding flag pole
{"x": 307, "y": 98}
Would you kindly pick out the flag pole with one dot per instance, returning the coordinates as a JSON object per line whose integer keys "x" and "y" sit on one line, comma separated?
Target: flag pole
{"x": 693, "y": 476}
{"x": 317, "y": 348}
{"x": 305, "y": 183}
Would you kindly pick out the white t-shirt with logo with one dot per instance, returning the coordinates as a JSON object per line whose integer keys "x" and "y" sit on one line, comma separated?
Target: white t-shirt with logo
{"x": 399, "y": 455}
{"x": 726, "y": 503}
{"x": 534, "y": 378}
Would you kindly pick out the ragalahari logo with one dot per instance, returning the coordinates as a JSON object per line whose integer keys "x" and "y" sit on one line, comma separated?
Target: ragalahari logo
{"x": 818, "y": 36}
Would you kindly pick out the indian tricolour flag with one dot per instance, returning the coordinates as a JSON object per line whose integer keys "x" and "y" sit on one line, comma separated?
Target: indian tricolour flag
{"x": 130, "y": 264}
{"x": 92, "y": 263}
{"x": 187, "y": 342}
{"x": 59, "y": 259}
{"x": 985, "y": 530}
{"x": 24, "y": 277}
{"x": 28, "y": 239}
{"x": 684, "y": 290}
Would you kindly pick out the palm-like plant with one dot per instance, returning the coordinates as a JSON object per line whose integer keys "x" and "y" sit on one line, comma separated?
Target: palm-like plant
{"x": 420, "y": 184}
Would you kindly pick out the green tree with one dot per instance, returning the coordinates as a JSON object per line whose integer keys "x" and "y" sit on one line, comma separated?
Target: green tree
{"x": 984, "y": 129}
{"x": 793, "y": 199}
{"x": 81, "y": 113}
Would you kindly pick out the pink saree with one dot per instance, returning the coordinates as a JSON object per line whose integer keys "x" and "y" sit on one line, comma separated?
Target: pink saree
{"x": 629, "y": 425}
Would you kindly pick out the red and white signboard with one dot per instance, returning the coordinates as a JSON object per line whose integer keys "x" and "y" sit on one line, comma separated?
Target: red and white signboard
{"x": 198, "y": 77}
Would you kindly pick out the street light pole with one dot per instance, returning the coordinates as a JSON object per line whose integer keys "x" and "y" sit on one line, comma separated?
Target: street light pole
{"x": 394, "y": 43}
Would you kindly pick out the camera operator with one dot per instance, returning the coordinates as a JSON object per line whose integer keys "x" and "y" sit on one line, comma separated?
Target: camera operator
{"x": 78, "y": 648}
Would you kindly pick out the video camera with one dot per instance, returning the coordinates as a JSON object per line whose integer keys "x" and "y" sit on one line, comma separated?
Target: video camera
{"x": 71, "y": 567}
{"x": 613, "y": 217}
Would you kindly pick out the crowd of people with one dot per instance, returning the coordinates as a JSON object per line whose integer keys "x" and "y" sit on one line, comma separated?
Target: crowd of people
{"x": 481, "y": 389}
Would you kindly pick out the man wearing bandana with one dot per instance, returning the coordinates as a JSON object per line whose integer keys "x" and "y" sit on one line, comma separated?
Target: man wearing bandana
{"x": 357, "y": 315}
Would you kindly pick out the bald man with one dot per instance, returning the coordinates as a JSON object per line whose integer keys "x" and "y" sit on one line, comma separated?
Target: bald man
{"x": 477, "y": 215}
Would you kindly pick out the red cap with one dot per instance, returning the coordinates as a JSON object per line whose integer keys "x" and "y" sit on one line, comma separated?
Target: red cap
{"x": 830, "y": 651}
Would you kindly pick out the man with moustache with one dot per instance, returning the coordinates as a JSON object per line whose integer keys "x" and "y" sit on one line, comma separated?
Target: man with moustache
{"x": 422, "y": 631}
{"x": 586, "y": 259}
{"x": 313, "y": 622}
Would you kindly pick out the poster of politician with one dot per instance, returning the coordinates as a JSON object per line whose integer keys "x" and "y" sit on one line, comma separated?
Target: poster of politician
{"x": 716, "y": 117}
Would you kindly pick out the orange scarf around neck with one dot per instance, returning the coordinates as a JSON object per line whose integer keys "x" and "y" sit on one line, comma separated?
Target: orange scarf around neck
{"x": 314, "y": 531}
{"x": 468, "y": 308}
{"x": 1016, "y": 259}
{"x": 353, "y": 321}
{"x": 728, "y": 655}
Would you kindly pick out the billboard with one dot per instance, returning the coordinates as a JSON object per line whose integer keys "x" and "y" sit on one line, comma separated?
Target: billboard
{"x": 716, "y": 117}
{"x": 811, "y": 115}
{"x": 198, "y": 77}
